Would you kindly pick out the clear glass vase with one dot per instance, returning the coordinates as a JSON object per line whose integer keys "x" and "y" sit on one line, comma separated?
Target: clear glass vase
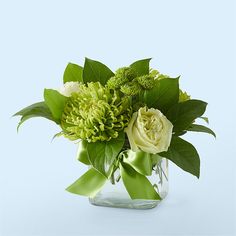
{"x": 115, "y": 195}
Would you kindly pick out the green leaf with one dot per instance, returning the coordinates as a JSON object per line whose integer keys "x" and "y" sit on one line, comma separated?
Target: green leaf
{"x": 73, "y": 72}
{"x": 140, "y": 161}
{"x": 201, "y": 128}
{"x": 82, "y": 154}
{"x": 155, "y": 159}
{"x": 141, "y": 66}
{"x": 184, "y": 155}
{"x": 89, "y": 184}
{"x": 39, "y": 109}
{"x": 96, "y": 71}
{"x": 205, "y": 119}
{"x": 56, "y": 103}
{"x": 163, "y": 95}
{"x": 183, "y": 114}
{"x": 136, "y": 184}
{"x": 102, "y": 155}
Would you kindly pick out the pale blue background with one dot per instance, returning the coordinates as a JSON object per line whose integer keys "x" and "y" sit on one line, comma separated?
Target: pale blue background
{"x": 195, "y": 39}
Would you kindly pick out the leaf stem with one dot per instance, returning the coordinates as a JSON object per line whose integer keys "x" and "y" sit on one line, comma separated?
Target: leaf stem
{"x": 112, "y": 178}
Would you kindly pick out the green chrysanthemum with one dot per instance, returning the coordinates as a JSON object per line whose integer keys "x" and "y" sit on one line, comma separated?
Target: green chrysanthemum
{"x": 95, "y": 114}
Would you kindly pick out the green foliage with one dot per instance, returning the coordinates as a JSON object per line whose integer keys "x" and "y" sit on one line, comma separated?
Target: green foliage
{"x": 184, "y": 155}
{"x": 39, "y": 109}
{"x": 136, "y": 184}
{"x": 73, "y": 72}
{"x": 55, "y": 102}
{"x": 155, "y": 159}
{"x": 89, "y": 184}
{"x": 205, "y": 119}
{"x": 163, "y": 95}
{"x": 141, "y": 66}
{"x": 102, "y": 155}
{"x": 183, "y": 114}
{"x": 98, "y": 113}
{"x": 95, "y": 71}
{"x": 201, "y": 128}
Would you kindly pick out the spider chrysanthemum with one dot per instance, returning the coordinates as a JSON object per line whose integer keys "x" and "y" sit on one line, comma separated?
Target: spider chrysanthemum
{"x": 96, "y": 113}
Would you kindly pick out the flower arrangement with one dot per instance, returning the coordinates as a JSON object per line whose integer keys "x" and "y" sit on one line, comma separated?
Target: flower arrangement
{"x": 127, "y": 121}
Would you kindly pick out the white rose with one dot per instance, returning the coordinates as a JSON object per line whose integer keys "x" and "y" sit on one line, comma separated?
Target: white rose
{"x": 69, "y": 88}
{"x": 149, "y": 130}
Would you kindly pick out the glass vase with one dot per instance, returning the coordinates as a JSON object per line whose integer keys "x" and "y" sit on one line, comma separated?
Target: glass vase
{"x": 114, "y": 194}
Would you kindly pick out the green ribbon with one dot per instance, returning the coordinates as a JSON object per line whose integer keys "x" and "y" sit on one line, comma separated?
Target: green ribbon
{"x": 82, "y": 154}
{"x": 89, "y": 184}
{"x": 142, "y": 162}
{"x": 136, "y": 184}
{"x": 134, "y": 167}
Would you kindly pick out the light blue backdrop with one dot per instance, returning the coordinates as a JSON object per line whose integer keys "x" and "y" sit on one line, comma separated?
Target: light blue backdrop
{"x": 194, "y": 39}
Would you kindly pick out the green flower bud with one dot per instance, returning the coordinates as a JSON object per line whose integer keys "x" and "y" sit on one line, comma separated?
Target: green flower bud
{"x": 161, "y": 76}
{"x": 122, "y": 76}
{"x": 126, "y": 72}
{"x": 157, "y": 75}
{"x": 115, "y": 82}
{"x": 154, "y": 73}
{"x": 146, "y": 81}
{"x": 183, "y": 96}
{"x": 131, "y": 88}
